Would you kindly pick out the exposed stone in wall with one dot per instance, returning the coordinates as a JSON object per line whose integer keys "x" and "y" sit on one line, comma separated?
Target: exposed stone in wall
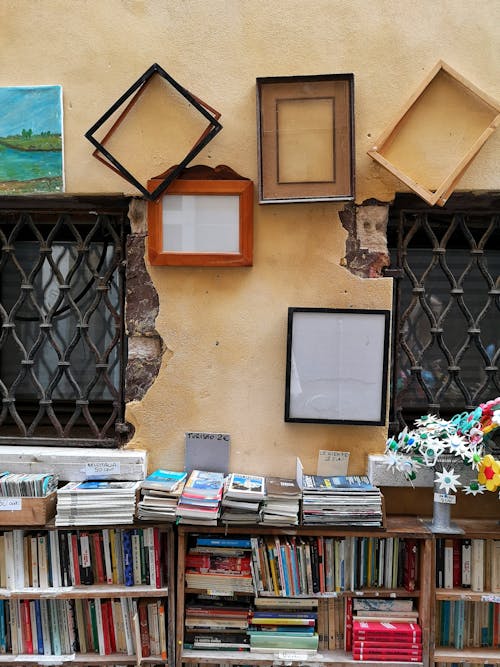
{"x": 145, "y": 345}
{"x": 366, "y": 245}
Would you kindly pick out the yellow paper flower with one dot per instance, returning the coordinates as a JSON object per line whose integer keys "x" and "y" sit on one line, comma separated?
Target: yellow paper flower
{"x": 489, "y": 473}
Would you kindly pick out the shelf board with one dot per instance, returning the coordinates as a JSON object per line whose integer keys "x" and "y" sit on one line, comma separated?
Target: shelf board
{"x": 483, "y": 655}
{"x": 466, "y": 594}
{"x": 278, "y": 657}
{"x": 73, "y": 592}
{"x": 401, "y": 526}
{"x": 79, "y": 659}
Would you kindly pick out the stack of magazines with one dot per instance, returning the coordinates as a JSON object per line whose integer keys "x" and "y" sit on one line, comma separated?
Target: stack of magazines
{"x": 35, "y": 485}
{"x": 243, "y": 495}
{"x": 341, "y": 500}
{"x": 282, "y": 502}
{"x": 96, "y": 503}
{"x": 160, "y": 492}
{"x": 200, "y": 499}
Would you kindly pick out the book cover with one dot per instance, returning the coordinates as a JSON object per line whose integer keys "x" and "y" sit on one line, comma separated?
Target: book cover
{"x": 248, "y": 487}
{"x": 204, "y": 484}
{"x": 165, "y": 480}
{"x": 282, "y": 487}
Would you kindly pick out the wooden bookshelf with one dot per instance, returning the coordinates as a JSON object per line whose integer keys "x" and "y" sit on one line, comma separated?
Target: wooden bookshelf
{"x": 103, "y": 591}
{"x": 483, "y": 529}
{"x": 402, "y": 527}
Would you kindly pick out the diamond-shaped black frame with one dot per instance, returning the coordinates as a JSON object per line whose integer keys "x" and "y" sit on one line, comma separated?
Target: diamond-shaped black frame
{"x": 210, "y": 114}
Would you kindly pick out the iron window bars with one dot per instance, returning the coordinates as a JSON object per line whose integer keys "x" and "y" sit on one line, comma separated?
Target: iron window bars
{"x": 446, "y": 333}
{"x": 61, "y": 311}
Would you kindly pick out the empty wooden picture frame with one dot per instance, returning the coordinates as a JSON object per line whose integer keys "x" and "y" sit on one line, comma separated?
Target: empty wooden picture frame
{"x": 202, "y": 223}
{"x": 337, "y": 365}
{"x": 306, "y": 138}
{"x": 437, "y": 134}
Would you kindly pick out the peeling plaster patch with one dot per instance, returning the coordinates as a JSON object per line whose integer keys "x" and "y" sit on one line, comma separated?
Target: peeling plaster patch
{"x": 145, "y": 345}
{"x": 366, "y": 245}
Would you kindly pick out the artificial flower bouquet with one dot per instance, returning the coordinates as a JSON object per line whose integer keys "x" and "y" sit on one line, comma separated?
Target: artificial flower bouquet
{"x": 436, "y": 443}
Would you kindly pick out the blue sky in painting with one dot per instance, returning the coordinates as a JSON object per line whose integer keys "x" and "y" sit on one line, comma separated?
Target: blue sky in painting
{"x": 30, "y": 107}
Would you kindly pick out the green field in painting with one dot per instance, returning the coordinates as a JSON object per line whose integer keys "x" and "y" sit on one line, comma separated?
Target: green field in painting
{"x": 35, "y": 142}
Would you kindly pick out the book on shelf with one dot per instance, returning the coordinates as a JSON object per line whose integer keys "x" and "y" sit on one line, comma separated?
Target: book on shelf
{"x": 371, "y": 630}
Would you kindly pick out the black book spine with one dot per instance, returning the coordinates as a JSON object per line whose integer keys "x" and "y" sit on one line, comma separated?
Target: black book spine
{"x": 315, "y": 565}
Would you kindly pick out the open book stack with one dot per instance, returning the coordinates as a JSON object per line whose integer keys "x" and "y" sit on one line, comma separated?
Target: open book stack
{"x": 341, "y": 500}
{"x": 282, "y": 502}
{"x": 200, "y": 499}
{"x": 96, "y": 503}
{"x": 242, "y": 499}
{"x": 160, "y": 492}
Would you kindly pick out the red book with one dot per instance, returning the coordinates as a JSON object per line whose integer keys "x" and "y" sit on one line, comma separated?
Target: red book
{"x": 377, "y": 630}
{"x": 410, "y": 565}
{"x": 385, "y": 646}
{"x": 76, "y": 558}
{"x": 457, "y": 563}
{"x": 387, "y": 657}
{"x": 106, "y": 623}
{"x": 99, "y": 561}
{"x": 387, "y": 651}
{"x": 348, "y": 624}
{"x": 143, "y": 626}
{"x": 112, "y": 635}
{"x": 26, "y": 630}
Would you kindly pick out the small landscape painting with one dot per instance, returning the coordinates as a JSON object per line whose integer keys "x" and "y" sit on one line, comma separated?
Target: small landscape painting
{"x": 31, "y": 151}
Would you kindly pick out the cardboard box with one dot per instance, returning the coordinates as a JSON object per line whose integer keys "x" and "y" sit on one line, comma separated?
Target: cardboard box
{"x": 27, "y": 511}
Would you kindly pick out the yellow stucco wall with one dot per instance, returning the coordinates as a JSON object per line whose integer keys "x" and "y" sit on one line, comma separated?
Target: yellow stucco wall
{"x": 225, "y": 329}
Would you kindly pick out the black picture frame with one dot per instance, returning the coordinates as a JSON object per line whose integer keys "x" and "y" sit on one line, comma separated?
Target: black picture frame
{"x": 337, "y": 366}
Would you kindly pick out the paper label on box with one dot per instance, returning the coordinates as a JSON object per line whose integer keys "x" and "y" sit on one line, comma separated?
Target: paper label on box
{"x": 490, "y": 598}
{"x": 11, "y": 504}
{"x": 102, "y": 469}
{"x": 214, "y": 591}
{"x": 445, "y": 498}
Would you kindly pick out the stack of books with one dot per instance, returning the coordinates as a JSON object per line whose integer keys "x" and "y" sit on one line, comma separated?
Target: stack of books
{"x": 341, "y": 500}
{"x": 96, "y": 503}
{"x": 282, "y": 502}
{"x": 218, "y": 624}
{"x": 386, "y": 641}
{"x": 283, "y": 630}
{"x": 243, "y": 495}
{"x": 160, "y": 492}
{"x": 221, "y": 564}
{"x": 200, "y": 499}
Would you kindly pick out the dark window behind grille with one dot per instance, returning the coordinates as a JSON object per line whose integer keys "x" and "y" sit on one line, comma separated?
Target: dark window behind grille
{"x": 61, "y": 309}
{"x": 446, "y": 308}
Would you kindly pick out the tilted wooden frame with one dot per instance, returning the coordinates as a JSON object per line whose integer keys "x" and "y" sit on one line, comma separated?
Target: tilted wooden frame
{"x": 242, "y": 255}
{"x": 437, "y": 134}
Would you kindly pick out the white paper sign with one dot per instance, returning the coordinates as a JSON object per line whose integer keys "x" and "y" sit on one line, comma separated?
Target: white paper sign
{"x": 11, "y": 504}
{"x": 332, "y": 463}
{"x": 288, "y": 655}
{"x": 102, "y": 469}
{"x": 445, "y": 498}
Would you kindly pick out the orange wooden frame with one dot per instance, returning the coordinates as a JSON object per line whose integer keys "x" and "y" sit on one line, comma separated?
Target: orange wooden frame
{"x": 242, "y": 188}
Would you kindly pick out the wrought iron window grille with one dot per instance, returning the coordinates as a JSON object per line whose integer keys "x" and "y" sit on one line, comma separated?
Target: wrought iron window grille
{"x": 446, "y": 323}
{"x": 62, "y": 342}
